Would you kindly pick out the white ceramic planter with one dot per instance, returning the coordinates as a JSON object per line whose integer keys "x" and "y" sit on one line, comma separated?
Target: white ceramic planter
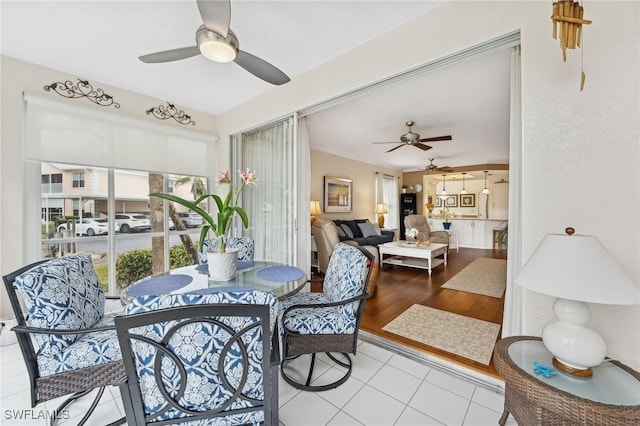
{"x": 222, "y": 266}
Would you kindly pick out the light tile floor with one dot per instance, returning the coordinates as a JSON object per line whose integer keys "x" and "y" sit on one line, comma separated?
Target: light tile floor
{"x": 388, "y": 386}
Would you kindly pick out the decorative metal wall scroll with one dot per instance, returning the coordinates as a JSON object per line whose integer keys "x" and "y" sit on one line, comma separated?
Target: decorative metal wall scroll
{"x": 162, "y": 112}
{"x": 83, "y": 89}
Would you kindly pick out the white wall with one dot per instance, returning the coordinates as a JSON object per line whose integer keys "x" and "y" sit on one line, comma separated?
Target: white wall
{"x": 577, "y": 146}
{"x": 18, "y": 77}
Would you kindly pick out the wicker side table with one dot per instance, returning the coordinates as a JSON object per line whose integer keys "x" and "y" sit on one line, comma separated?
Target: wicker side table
{"x": 610, "y": 397}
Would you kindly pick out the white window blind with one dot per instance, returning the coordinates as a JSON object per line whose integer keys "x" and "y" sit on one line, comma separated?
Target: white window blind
{"x": 63, "y": 133}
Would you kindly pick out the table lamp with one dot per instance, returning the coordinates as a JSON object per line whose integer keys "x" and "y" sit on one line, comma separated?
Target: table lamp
{"x": 314, "y": 209}
{"x": 381, "y": 210}
{"x": 576, "y": 269}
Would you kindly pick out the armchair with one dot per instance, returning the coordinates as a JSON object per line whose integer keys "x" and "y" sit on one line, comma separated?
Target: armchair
{"x": 68, "y": 344}
{"x": 422, "y": 225}
{"x": 327, "y": 322}
{"x": 325, "y": 234}
{"x": 201, "y": 359}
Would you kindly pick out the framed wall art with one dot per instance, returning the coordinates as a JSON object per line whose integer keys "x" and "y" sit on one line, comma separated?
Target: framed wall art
{"x": 337, "y": 194}
{"x": 451, "y": 201}
{"x": 467, "y": 200}
{"x": 438, "y": 202}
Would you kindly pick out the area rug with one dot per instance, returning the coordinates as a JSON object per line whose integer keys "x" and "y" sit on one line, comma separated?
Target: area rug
{"x": 468, "y": 337}
{"x": 482, "y": 276}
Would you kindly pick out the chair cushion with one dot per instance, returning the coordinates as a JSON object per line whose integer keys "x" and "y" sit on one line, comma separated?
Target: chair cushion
{"x": 329, "y": 320}
{"x": 63, "y": 293}
{"x": 89, "y": 350}
{"x": 197, "y": 351}
{"x": 244, "y": 244}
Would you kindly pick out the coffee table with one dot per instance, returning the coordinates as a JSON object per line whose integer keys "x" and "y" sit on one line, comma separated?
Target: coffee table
{"x": 406, "y": 253}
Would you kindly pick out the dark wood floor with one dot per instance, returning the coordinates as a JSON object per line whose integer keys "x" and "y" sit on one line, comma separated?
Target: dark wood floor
{"x": 400, "y": 287}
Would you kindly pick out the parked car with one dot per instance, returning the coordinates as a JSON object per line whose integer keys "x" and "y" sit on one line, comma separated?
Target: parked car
{"x": 132, "y": 222}
{"x": 88, "y": 226}
{"x": 191, "y": 220}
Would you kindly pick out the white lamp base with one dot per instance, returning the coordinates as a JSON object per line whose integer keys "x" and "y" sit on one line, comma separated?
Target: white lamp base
{"x": 575, "y": 347}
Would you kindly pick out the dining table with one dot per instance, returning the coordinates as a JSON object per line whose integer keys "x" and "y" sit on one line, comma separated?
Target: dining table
{"x": 277, "y": 278}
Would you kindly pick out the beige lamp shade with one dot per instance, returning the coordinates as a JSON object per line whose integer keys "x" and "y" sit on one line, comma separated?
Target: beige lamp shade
{"x": 314, "y": 208}
{"x": 381, "y": 210}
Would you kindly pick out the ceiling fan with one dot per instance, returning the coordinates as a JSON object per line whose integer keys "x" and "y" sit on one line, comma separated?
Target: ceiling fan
{"x": 217, "y": 42}
{"x": 413, "y": 139}
{"x": 432, "y": 167}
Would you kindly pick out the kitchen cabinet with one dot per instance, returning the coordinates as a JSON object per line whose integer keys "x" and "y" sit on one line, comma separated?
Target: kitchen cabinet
{"x": 472, "y": 233}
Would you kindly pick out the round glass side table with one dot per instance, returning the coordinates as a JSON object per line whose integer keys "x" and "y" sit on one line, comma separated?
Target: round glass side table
{"x": 611, "y": 396}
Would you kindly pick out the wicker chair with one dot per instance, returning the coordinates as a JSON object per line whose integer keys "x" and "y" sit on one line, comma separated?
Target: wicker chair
{"x": 243, "y": 244}
{"x": 68, "y": 344}
{"x": 327, "y": 322}
{"x": 201, "y": 359}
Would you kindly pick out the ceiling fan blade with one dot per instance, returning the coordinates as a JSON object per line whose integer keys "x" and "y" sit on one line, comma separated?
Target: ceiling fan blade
{"x": 422, "y": 146}
{"x": 170, "y": 55}
{"x": 437, "y": 138}
{"x": 385, "y": 142}
{"x": 261, "y": 68}
{"x": 399, "y": 146}
{"x": 216, "y": 15}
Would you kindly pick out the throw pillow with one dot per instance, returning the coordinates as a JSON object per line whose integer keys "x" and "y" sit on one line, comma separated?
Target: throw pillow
{"x": 377, "y": 229}
{"x": 347, "y": 230}
{"x": 341, "y": 233}
{"x": 367, "y": 229}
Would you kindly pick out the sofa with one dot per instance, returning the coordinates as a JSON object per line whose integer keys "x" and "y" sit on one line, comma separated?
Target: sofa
{"x": 325, "y": 235}
{"x": 363, "y": 232}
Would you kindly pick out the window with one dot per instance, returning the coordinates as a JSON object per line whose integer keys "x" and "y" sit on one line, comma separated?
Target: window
{"x": 78, "y": 179}
{"x": 390, "y": 196}
{"x": 51, "y": 183}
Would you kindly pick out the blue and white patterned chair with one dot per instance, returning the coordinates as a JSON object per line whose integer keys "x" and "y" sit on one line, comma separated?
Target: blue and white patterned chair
{"x": 68, "y": 344}
{"x": 328, "y": 321}
{"x": 243, "y": 244}
{"x": 201, "y": 358}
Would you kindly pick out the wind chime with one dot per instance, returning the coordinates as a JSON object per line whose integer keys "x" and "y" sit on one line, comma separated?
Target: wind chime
{"x": 567, "y": 22}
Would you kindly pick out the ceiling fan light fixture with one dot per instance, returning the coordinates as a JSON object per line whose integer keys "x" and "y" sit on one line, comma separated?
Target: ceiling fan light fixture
{"x": 217, "y": 51}
{"x": 215, "y": 47}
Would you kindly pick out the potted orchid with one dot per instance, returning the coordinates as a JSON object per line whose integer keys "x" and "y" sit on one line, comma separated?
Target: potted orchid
{"x": 226, "y": 207}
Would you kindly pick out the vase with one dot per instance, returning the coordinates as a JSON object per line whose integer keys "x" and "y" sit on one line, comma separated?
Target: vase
{"x": 222, "y": 265}
{"x": 446, "y": 225}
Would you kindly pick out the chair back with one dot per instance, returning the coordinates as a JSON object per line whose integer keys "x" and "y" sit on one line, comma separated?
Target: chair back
{"x": 419, "y": 222}
{"x": 62, "y": 294}
{"x": 245, "y": 246}
{"x": 192, "y": 357}
{"x": 325, "y": 236}
{"x": 347, "y": 276}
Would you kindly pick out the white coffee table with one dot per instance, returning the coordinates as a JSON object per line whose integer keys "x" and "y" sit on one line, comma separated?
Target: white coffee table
{"x": 406, "y": 253}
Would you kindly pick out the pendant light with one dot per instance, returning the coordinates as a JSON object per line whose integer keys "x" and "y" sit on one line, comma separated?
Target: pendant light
{"x": 464, "y": 191}
{"x": 485, "y": 190}
{"x": 444, "y": 184}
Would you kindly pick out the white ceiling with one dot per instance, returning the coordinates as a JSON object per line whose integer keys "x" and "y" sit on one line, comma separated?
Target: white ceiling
{"x": 101, "y": 41}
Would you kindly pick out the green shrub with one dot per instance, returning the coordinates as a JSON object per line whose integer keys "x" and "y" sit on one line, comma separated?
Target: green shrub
{"x": 136, "y": 264}
{"x": 132, "y": 266}
{"x": 179, "y": 257}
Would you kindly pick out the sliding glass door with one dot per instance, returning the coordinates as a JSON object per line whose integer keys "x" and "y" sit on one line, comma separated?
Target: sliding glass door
{"x": 270, "y": 152}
